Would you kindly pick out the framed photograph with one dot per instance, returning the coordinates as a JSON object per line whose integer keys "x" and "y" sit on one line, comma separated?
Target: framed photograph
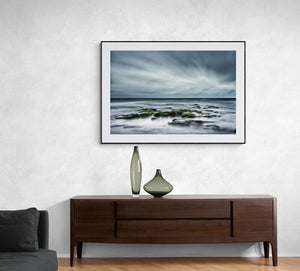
{"x": 173, "y": 92}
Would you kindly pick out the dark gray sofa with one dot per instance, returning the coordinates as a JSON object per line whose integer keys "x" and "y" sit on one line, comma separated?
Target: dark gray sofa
{"x": 42, "y": 259}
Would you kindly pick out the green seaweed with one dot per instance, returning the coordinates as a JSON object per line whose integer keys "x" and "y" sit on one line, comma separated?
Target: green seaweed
{"x": 188, "y": 115}
{"x": 149, "y": 110}
{"x": 155, "y": 114}
{"x": 145, "y": 114}
{"x": 132, "y": 116}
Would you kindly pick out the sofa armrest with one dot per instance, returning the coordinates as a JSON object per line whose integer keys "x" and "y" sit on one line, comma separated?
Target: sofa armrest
{"x": 43, "y": 229}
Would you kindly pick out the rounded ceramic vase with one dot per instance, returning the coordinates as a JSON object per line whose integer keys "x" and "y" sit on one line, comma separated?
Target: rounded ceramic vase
{"x": 158, "y": 186}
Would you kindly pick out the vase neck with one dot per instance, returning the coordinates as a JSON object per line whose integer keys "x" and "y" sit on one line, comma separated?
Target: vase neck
{"x": 158, "y": 172}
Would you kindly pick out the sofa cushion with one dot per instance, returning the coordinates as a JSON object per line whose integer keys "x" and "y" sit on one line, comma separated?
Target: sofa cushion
{"x": 18, "y": 230}
{"x": 40, "y": 260}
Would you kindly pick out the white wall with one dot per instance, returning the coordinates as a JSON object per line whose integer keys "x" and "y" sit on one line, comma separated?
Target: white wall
{"x": 50, "y": 100}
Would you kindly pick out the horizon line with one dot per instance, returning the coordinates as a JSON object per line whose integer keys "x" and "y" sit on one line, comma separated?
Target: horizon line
{"x": 175, "y": 98}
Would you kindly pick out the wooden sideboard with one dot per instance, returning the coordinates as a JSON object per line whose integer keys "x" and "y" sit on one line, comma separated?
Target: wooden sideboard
{"x": 182, "y": 219}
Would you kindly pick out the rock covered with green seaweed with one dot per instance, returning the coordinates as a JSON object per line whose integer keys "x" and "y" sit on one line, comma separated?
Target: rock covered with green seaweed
{"x": 155, "y": 113}
{"x": 176, "y": 117}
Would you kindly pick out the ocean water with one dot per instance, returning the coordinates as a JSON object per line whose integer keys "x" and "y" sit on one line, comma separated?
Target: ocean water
{"x": 201, "y": 116}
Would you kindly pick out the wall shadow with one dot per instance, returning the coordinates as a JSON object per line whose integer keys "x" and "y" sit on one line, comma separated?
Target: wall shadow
{"x": 59, "y": 227}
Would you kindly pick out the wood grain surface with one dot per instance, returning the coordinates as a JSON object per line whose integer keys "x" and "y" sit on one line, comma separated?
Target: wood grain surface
{"x": 173, "y": 209}
{"x": 178, "y": 219}
{"x": 180, "y": 264}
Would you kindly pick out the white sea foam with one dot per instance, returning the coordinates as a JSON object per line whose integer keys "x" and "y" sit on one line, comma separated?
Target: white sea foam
{"x": 212, "y": 116}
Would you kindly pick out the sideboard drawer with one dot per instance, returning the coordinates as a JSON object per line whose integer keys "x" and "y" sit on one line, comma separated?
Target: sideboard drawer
{"x": 173, "y": 209}
{"x": 94, "y": 219}
{"x": 173, "y": 228}
{"x": 93, "y": 209}
{"x": 253, "y": 219}
{"x": 85, "y": 231}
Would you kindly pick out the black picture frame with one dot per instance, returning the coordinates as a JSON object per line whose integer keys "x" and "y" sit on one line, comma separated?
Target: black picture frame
{"x": 111, "y": 50}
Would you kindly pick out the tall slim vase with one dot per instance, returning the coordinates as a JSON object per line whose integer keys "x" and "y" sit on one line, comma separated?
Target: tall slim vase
{"x": 135, "y": 172}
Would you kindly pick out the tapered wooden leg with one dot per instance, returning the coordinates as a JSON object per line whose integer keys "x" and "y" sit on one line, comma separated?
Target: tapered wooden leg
{"x": 274, "y": 253}
{"x": 79, "y": 250}
{"x": 266, "y": 249}
{"x": 72, "y": 232}
{"x": 72, "y": 254}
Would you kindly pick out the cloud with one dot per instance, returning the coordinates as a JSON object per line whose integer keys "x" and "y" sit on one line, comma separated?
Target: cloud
{"x": 173, "y": 74}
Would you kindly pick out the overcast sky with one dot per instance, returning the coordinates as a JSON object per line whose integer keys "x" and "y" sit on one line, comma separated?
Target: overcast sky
{"x": 173, "y": 74}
